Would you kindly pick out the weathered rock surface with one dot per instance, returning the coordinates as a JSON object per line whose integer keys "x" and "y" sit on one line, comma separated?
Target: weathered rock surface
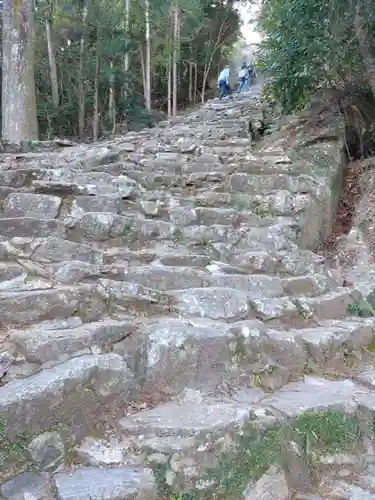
{"x": 160, "y": 294}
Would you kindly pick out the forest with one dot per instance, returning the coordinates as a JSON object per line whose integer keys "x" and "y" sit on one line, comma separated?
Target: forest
{"x": 81, "y": 68}
{"x": 84, "y": 68}
{"x": 324, "y": 46}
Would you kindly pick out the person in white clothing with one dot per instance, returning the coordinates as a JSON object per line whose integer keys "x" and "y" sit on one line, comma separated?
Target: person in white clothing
{"x": 223, "y": 82}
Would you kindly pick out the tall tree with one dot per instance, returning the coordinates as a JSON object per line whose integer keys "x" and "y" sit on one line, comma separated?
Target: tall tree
{"x": 81, "y": 75}
{"x": 147, "y": 78}
{"x": 19, "y": 119}
{"x": 52, "y": 55}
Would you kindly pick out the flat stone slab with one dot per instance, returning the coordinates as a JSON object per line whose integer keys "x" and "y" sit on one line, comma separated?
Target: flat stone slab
{"x": 50, "y": 341}
{"x": 52, "y": 396}
{"x": 40, "y": 206}
{"x": 316, "y": 394}
{"x": 215, "y": 303}
{"x": 95, "y": 483}
{"x": 29, "y": 485}
{"x": 26, "y": 307}
{"x": 187, "y": 418}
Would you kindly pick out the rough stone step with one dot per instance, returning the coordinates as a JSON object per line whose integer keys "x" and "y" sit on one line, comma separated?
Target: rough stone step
{"x": 9, "y": 271}
{"x": 92, "y": 183}
{"x": 114, "y": 483}
{"x": 218, "y": 303}
{"x": 180, "y": 277}
{"x": 26, "y": 307}
{"x": 279, "y": 236}
{"x": 53, "y": 396}
{"x": 176, "y": 354}
{"x": 84, "y": 204}
{"x": 316, "y": 347}
{"x": 103, "y": 226}
{"x": 185, "y": 239}
{"x": 56, "y": 340}
{"x": 169, "y": 355}
{"x": 296, "y": 262}
{"x": 20, "y": 177}
{"x": 215, "y": 274}
{"x": 151, "y": 181}
{"x": 88, "y": 482}
{"x": 38, "y": 206}
{"x": 52, "y": 249}
{"x": 263, "y": 184}
{"x": 197, "y": 428}
{"x": 31, "y": 227}
{"x": 331, "y": 305}
{"x": 132, "y": 298}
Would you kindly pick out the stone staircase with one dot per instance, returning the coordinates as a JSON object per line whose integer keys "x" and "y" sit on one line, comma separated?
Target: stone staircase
{"x": 158, "y": 292}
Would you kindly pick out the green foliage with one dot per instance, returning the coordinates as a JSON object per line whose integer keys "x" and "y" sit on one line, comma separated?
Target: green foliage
{"x": 308, "y": 45}
{"x": 320, "y": 432}
{"x": 315, "y": 433}
{"x": 363, "y": 308}
{"x": 205, "y": 31}
{"x": 12, "y": 452}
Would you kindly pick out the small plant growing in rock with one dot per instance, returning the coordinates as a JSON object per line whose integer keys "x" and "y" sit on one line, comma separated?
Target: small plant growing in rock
{"x": 315, "y": 434}
{"x": 363, "y": 308}
{"x": 261, "y": 208}
{"x": 12, "y": 452}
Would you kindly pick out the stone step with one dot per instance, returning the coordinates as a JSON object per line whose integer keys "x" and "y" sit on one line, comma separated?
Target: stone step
{"x": 285, "y": 310}
{"x": 330, "y": 344}
{"x": 38, "y": 206}
{"x": 263, "y": 184}
{"x": 154, "y": 266}
{"x": 59, "y": 340}
{"x": 20, "y": 177}
{"x": 51, "y": 249}
{"x": 279, "y": 236}
{"x": 218, "y": 303}
{"x": 131, "y": 298}
{"x": 294, "y": 262}
{"x": 32, "y": 305}
{"x": 31, "y": 227}
{"x": 69, "y": 394}
{"x": 92, "y": 183}
{"x": 175, "y": 354}
{"x": 213, "y": 274}
{"x": 196, "y": 429}
{"x": 104, "y": 226}
{"x": 87, "y": 482}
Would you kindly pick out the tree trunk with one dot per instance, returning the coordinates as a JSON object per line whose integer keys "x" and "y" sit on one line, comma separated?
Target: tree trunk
{"x": 126, "y": 57}
{"x": 96, "y": 87}
{"x": 169, "y": 91}
{"x": 191, "y": 77}
{"x": 127, "y": 19}
{"x": 81, "y": 82}
{"x": 112, "y": 103}
{"x": 52, "y": 64}
{"x": 368, "y": 58}
{"x": 174, "y": 67}
{"x": 148, "y": 57}
{"x": 206, "y": 72}
{"x": 19, "y": 121}
{"x": 195, "y": 82}
{"x": 205, "y": 75}
{"x": 143, "y": 70}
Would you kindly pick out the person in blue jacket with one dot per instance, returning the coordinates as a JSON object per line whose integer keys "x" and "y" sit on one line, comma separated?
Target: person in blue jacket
{"x": 243, "y": 76}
